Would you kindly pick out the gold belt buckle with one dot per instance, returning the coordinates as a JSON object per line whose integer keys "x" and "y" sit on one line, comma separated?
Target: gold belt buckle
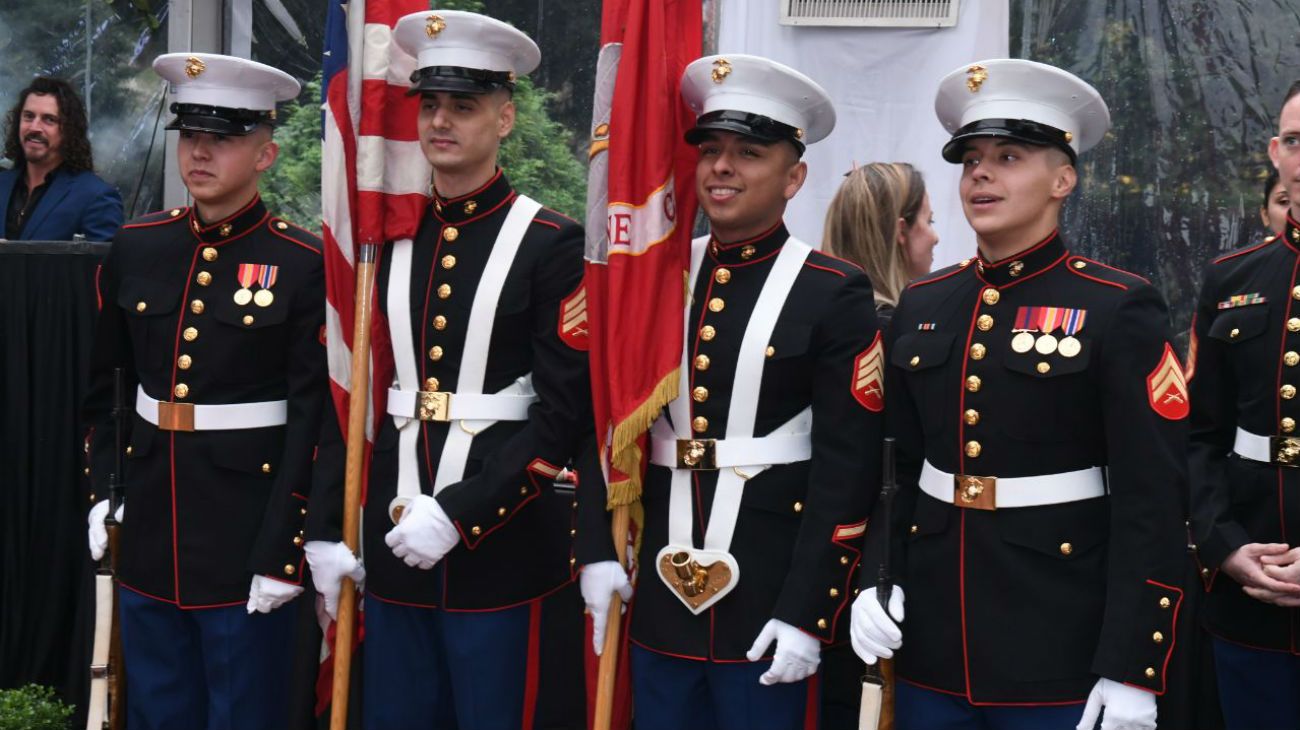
{"x": 697, "y": 454}
{"x": 1284, "y": 450}
{"x": 433, "y": 406}
{"x": 175, "y": 416}
{"x": 972, "y": 492}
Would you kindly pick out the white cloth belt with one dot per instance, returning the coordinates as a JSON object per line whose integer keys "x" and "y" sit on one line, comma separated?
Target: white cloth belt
{"x": 220, "y": 417}
{"x": 1266, "y": 449}
{"x": 467, "y": 406}
{"x": 1070, "y": 486}
{"x": 473, "y": 363}
{"x": 788, "y": 444}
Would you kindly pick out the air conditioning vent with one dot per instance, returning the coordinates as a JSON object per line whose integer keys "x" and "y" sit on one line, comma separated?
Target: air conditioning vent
{"x": 871, "y": 13}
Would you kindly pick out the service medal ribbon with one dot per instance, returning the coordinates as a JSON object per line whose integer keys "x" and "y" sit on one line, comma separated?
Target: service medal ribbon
{"x": 1049, "y": 318}
{"x": 1025, "y": 317}
{"x": 1243, "y": 300}
{"x": 266, "y": 275}
{"x": 247, "y": 275}
{"x": 1073, "y": 321}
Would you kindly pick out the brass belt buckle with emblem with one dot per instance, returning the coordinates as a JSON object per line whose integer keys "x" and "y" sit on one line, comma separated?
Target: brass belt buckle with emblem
{"x": 972, "y": 492}
{"x": 1285, "y": 450}
{"x": 175, "y": 416}
{"x": 694, "y": 583}
{"x": 697, "y": 454}
{"x": 433, "y": 405}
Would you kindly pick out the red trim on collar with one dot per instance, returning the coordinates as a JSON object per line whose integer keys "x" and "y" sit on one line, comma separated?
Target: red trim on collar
{"x": 194, "y": 216}
{"x": 457, "y": 199}
{"x": 1244, "y": 251}
{"x": 1010, "y": 284}
{"x": 728, "y": 246}
{"x": 1019, "y": 254}
{"x": 504, "y": 201}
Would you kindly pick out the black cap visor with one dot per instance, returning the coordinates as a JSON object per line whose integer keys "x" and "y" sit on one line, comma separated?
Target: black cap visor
{"x": 218, "y": 119}
{"x": 764, "y": 129}
{"x": 1022, "y": 130}
{"x": 460, "y": 80}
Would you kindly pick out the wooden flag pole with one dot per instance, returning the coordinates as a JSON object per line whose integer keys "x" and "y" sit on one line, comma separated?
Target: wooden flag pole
{"x": 358, "y": 405}
{"x": 613, "y": 626}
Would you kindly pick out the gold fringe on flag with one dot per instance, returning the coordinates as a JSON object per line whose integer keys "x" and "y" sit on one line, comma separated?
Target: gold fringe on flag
{"x": 625, "y": 455}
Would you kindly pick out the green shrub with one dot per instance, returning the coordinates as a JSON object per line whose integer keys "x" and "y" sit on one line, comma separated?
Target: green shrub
{"x": 32, "y": 708}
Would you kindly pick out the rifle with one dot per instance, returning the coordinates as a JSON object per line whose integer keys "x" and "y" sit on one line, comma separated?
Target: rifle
{"x": 107, "y": 708}
{"x": 873, "y": 712}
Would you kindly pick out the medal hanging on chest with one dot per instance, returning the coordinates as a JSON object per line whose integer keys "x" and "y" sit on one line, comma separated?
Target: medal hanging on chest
{"x": 247, "y": 275}
{"x": 266, "y": 279}
{"x": 1024, "y": 340}
{"x": 1048, "y": 319}
{"x": 1070, "y": 326}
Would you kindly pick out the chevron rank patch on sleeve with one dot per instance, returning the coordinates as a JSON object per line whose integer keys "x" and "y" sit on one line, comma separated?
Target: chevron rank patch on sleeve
{"x": 1167, "y": 387}
{"x": 869, "y": 376}
{"x": 573, "y": 319}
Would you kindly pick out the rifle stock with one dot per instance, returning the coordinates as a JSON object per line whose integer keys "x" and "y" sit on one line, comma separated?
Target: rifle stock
{"x": 877, "y": 711}
{"x": 106, "y": 709}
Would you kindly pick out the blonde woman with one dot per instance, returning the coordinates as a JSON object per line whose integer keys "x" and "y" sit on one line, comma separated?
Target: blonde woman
{"x": 880, "y": 219}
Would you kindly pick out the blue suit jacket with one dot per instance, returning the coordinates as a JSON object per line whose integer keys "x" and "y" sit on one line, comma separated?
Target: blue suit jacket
{"x": 76, "y": 202}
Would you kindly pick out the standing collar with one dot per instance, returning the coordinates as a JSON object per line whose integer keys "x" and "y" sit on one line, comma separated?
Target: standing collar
{"x": 1291, "y": 234}
{"x": 473, "y": 205}
{"x": 1037, "y": 258}
{"x": 753, "y": 249}
{"x": 233, "y": 226}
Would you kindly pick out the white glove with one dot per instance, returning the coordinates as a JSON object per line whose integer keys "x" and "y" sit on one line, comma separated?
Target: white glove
{"x": 330, "y": 563}
{"x": 424, "y": 535}
{"x": 267, "y": 594}
{"x": 98, "y": 534}
{"x": 796, "y": 657}
{"x": 1127, "y": 708}
{"x": 599, "y": 582}
{"x": 873, "y": 631}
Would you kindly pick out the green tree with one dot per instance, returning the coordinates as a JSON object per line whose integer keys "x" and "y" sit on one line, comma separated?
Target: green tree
{"x": 291, "y": 188}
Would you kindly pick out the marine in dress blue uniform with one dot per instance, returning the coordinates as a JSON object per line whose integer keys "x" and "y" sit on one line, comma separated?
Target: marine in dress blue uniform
{"x": 216, "y": 324}
{"x": 1040, "y": 416}
{"x": 764, "y": 468}
{"x": 486, "y": 313}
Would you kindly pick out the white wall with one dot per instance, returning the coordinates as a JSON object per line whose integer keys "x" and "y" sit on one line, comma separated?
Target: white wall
{"x": 883, "y": 82}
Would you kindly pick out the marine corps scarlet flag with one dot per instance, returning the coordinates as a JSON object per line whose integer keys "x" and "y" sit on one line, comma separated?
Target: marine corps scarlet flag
{"x": 640, "y": 209}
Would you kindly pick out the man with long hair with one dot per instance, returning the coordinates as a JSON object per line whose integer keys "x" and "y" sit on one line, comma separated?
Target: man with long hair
{"x": 45, "y": 137}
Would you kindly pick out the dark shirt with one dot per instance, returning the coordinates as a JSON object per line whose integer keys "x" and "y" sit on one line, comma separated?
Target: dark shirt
{"x": 22, "y": 203}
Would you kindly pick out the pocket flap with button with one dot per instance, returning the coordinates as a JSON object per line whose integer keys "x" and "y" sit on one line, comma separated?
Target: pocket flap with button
{"x": 929, "y": 518}
{"x": 254, "y": 451}
{"x": 1032, "y": 363}
{"x": 148, "y": 297}
{"x": 250, "y": 316}
{"x": 1239, "y": 325}
{"x": 789, "y": 341}
{"x": 921, "y": 350}
{"x": 1064, "y": 531}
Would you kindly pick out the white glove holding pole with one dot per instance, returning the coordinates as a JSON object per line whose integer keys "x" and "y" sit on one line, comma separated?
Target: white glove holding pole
{"x": 874, "y": 631}
{"x": 599, "y": 582}
{"x": 267, "y": 594}
{"x": 98, "y": 535}
{"x": 1126, "y": 708}
{"x": 424, "y": 535}
{"x": 330, "y": 563}
{"x": 796, "y": 657}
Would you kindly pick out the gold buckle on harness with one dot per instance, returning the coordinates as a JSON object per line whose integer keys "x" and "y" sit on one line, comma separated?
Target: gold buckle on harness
{"x": 175, "y": 416}
{"x": 433, "y": 406}
{"x": 1284, "y": 450}
{"x": 972, "y": 492}
{"x": 697, "y": 454}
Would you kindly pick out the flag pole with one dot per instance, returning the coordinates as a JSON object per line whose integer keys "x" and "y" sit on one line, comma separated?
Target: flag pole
{"x": 613, "y": 628}
{"x": 358, "y": 404}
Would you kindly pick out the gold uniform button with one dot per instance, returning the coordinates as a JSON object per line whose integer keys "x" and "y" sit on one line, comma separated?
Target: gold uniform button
{"x": 984, "y": 323}
{"x": 141, "y": 306}
{"x": 1066, "y": 548}
{"x": 302, "y": 511}
{"x": 203, "y": 278}
{"x": 1043, "y": 368}
{"x": 1287, "y": 391}
{"x": 523, "y": 491}
{"x": 174, "y": 212}
{"x": 717, "y": 305}
{"x": 708, "y": 332}
{"x": 450, "y": 233}
{"x": 1158, "y": 637}
{"x": 129, "y": 450}
{"x": 448, "y": 261}
{"x": 1293, "y": 324}
{"x": 248, "y": 319}
{"x": 1291, "y": 358}
{"x": 700, "y": 394}
{"x": 821, "y": 623}
{"x": 747, "y": 252}
{"x": 916, "y": 360}
{"x": 1234, "y": 333}
{"x": 440, "y": 322}
{"x": 86, "y": 471}
{"x": 1295, "y": 293}
{"x": 181, "y": 390}
{"x": 197, "y": 306}
{"x": 701, "y": 362}
{"x": 297, "y": 540}
{"x": 470, "y": 207}
{"x": 1288, "y": 424}
{"x": 476, "y": 530}
{"x": 1150, "y": 673}
{"x": 798, "y": 506}
{"x": 435, "y": 353}
{"x": 700, "y": 424}
{"x": 501, "y": 511}
{"x": 210, "y": 254}
{"x": 1164, "y": 602}
{"x": 770, "y": 351}
{"x": 444, "y": 291}
{"x": 844, "y": 560}
{"x": 978, "y": 351}
{"x": 1079, "y": 264}
{"x": 289, "y": 570}
{"x": 266, "y": 468}
{"x": 190, "y": 334}
{"x": 722, "y": 276}
{"x": 973, "y": 383}
{"x": 282, "y": 225}
{"x": 973, "y": 449}
{"x": 971, "y": 416}
{"x": 914, "y": 529}
{"x": 991, "y": 296}
{"x": 431, "y": 384}
{"x": 225, "y": 229}
{"x": 834, "y": 593}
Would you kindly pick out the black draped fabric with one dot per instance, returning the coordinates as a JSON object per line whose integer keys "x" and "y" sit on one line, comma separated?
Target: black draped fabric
{"x": 47, "y": 309}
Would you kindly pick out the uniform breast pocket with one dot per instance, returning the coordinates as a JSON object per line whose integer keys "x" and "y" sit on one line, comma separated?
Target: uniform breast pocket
{"x": 787, "y": 367}
{"x": 253, "y": 339}
{"x": 935, "y": 388}
{"x": 1049, "y": 384}
{"x": 1239, "y": 330}
{"x": 513, "y": 325}
{"x": 150, "y": 307}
